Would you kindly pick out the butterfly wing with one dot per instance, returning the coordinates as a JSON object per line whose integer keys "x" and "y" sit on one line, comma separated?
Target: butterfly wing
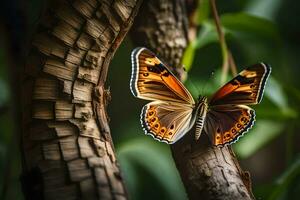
{"x": 245, "y": 89}
{"x": 228, "y": 117}
{"x": 225, "y": 124}
{"x": 167, "y": 122}
{"x": 152, "y": 80}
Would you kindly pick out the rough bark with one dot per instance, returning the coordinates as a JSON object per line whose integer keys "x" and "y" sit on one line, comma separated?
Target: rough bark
{"x": 207, "y": 172}
{"x": 162, "y": 26}
{"x": 66, "y": 142}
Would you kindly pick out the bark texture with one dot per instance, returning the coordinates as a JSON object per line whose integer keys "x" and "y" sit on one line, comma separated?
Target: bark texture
{"x": 162, "y": 26}
{"x": 66, "y": 143}
{"x": 206, "y": 171}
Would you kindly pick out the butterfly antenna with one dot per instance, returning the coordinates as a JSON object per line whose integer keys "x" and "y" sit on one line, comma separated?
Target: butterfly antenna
{"x": 204, "y": 89}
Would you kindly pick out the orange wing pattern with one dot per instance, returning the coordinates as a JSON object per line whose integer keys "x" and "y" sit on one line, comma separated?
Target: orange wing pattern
{"x": 166, "y": 122}
{"x": 151, "y": 79}
{"x": 246, "y": 88}
{"x": 226, "y": 124}
{"x": 228, "y": 117}
{"x": 173, "y": 111}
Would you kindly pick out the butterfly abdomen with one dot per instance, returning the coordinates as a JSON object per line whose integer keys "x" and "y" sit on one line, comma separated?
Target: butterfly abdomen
{"x": 202, "y": 110}
{"x": 199, "y": 127}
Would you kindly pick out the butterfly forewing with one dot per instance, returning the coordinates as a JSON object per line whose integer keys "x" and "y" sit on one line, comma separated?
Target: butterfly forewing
{"x": 245, "y": 89}
{"x": 173, "y": 112}
{"x": 169, "y": 116}
{"x": 152, "y": 80}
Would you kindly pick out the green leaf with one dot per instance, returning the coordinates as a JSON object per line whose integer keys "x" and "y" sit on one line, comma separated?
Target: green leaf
{"x": 129, "y": 174}
{"x": 262, "y": 132}
{"x": 154, "y": 158}
{"x": 188, "y": 56}
{"x": 240, "y": 26}
{"x": 243, "y": 24}
{"x": 203, "y": 11}
{"x": 207, "y": 34}
{"x": 276, "y": 95}
{"x": 265, "y": 9}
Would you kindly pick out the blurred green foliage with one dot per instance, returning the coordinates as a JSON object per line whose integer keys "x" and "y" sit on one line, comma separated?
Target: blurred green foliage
{"x": 255, "y": 31}
{"x": 157, "y": 161}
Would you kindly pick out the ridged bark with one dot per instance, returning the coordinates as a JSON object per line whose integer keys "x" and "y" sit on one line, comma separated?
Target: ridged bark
{"x": 66, "y": 142}
{"x": 207, "y": 172}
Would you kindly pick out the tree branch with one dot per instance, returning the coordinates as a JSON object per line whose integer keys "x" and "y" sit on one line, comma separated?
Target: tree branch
{"x": 207, "y": 172}
{"x": 68, "y": 152}
{"x": 162, "y": 26}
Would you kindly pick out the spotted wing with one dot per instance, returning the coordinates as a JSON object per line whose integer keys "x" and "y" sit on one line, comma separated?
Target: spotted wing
{"x": 245, "y": 89}
{"x": 225, "y": 124}
{"x": 166, "y": 122}
{"x": 152, "y": 80}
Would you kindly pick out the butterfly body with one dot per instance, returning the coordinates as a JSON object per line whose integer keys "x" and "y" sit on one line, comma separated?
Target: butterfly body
{"x": 201, "y": 115}
{"x": 172, "y": 112}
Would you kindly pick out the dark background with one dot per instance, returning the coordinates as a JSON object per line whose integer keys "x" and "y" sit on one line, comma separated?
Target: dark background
{"x": 255, "y": 30}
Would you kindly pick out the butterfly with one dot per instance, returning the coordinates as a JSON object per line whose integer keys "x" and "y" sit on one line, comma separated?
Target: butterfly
{"x": 172, "y": 112}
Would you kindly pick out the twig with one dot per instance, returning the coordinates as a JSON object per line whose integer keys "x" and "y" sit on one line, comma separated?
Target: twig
{"x": 232, "y": 64}
{"x": 225, "y": 65}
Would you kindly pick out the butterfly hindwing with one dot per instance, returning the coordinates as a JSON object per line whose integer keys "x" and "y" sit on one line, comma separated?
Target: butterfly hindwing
{"x": 166, "y": 122}
{"x": 152, "y": 80}
{"x": 225, "y": 124}
{"x": 172, "y": 112}
{"x": 245, "y": 89}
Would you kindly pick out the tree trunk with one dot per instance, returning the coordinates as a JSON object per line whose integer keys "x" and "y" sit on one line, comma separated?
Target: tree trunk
{"x": 207, "y": 172}
{"x": 66, "y": 143}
